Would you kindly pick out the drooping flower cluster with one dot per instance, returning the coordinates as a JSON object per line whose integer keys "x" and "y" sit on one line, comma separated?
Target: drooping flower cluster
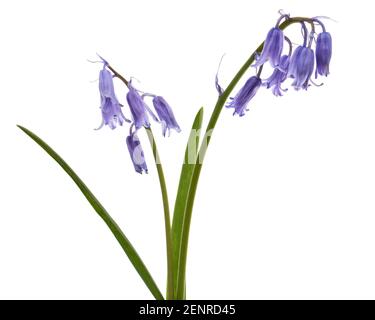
{"x": 298, "y": 65}
{"x": 112, "y": 114}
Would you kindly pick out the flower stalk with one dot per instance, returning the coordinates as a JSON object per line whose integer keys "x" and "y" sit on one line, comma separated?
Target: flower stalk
{"x": 167, "y": 217}
{"x": 164, "y": 193}
{"x": 181, "y": 263}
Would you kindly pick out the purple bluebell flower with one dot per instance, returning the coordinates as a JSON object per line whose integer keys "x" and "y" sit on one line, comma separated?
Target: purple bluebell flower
{"x": 109, "y": 104}
{"x": 301, "y": 67}
{"x": 278, "y": 76}
{"x": 243, "y": 97}
{"x": 136, "y": 152}
{"x": 138, "y": 108}
{"x": 273, "y": 47}
{"x": 165, "y": 114}
{"x": 323, "y": 53}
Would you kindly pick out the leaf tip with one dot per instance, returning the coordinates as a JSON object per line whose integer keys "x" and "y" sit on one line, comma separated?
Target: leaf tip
{"x": 22, "y": 128}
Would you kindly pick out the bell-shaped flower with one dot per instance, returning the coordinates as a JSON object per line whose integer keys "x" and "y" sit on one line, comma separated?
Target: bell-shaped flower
{"x": 165, "y": 114}
{"x": 138, "y": 108}
{"x": 273, "y": 47}
{"x": 136, "y": 152}
{"x": 111, "y": 109}
{"x": 278, "y": 77}
{"x": 301, "y": 67}
{"x": 243, "y": 97}
{"x": 323, "y": 53}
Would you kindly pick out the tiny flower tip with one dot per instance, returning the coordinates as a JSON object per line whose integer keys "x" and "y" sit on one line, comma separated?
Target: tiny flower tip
{"x": 140, "y": 171}
{"x": 325, "y": 17}
{"x": 103, "y": 60}
{"x": 101, "y": 126}
{"x": 218, "y": 87}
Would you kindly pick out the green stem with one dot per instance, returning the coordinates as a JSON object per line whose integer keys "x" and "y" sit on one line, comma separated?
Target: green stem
{"x": 164, "y": 193}
{"x": 167, "y": 218}
{"x": 181, "y": 272}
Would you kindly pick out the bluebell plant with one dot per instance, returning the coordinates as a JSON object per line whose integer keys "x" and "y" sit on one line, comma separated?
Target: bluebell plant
{"x": 297, "y": 64}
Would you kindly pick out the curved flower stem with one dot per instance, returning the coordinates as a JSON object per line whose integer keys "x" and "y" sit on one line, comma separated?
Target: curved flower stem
{"x": 167, "y": 218}
{"x": 181, "y": 272}
{"x": 164, "y": 193}
{"x": 126, "y": 82}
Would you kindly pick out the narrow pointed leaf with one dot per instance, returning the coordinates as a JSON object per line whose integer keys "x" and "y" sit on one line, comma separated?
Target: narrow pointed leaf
{"x": 112, "y": 225}
{"x": 183, "y": 188}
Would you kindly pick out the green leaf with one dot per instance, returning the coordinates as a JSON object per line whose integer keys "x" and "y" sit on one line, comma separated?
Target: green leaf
{"x": 183, "y": 188}
{"x": 112, "y": 225}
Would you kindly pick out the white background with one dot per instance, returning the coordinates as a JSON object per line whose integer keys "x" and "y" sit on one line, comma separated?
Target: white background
{"x": 285, "y": 206}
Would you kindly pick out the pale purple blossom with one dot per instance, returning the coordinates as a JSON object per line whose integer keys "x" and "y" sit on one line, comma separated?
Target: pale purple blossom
{"x": 323, "y": 53}
{"x": 138, "y": 108}
{"x": 278, "y": 77}
{"x": 111, "y": 109}
{"x": 273, "y": 48}
{"x": 136, "y": 152}
{"x": 165, "y": 114}
{"x": 243, "y": 97}
{"x": 301, "y": 67}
